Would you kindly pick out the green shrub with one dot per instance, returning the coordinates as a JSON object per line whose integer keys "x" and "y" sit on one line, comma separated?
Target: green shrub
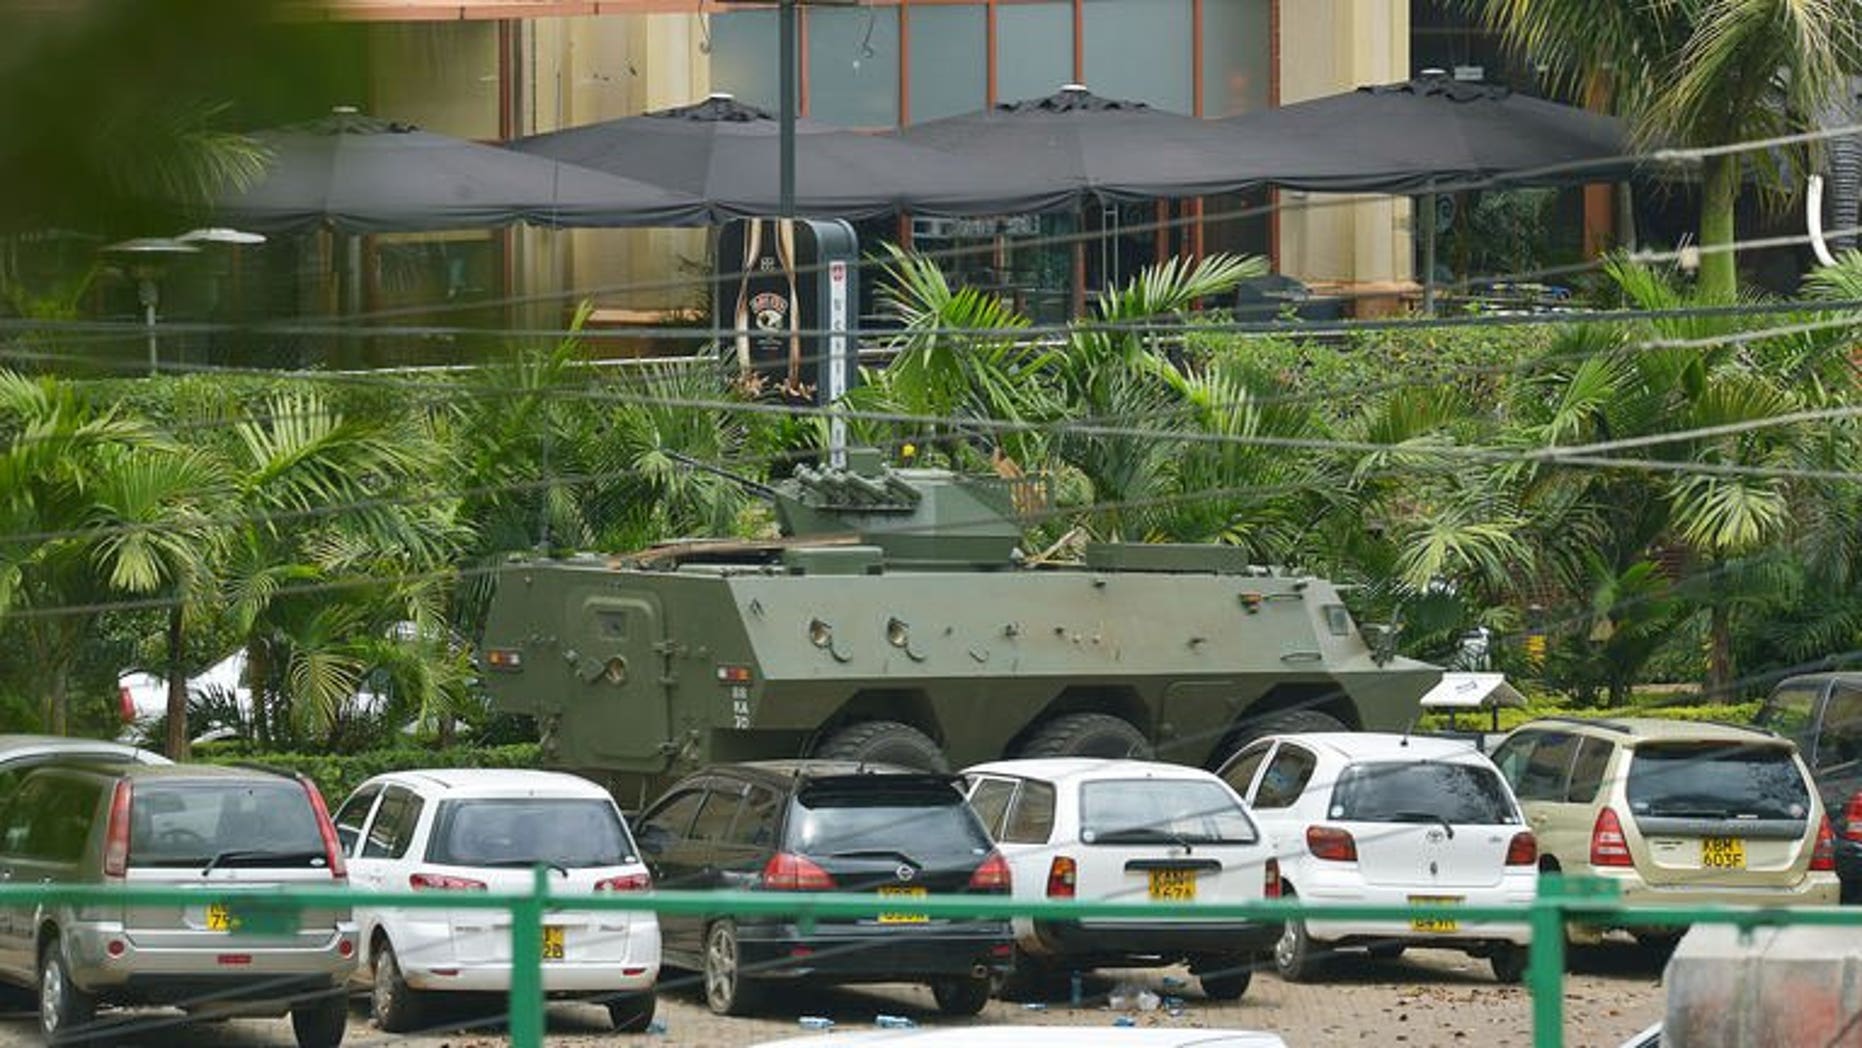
{"x": 336, "y": 775}
{"x": 1730, "y": 713}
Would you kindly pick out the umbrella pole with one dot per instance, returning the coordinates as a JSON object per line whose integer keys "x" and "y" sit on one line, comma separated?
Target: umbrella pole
{"x": 785, "y": 16}
{"x": 1428, "y": 254}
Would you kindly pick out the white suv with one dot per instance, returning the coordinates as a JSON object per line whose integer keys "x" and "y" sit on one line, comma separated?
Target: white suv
{"x": 1127, "y": 831}
{"x": 480, "y": 830}
{"x": 1390, "y": 820}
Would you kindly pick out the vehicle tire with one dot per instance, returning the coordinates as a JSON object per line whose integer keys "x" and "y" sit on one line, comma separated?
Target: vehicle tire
{"x": 1294, "y": 958}
{"x": 1386, "y": 951}
{"x": 66, "y": 1013}
{"x": 727, "y": 990}
{"x": 395, "y": 1006}
{"x": 885, "y": 742}
{"x": 961, "y": 995}
{"x": 1228, "y": 980}
{"x": 1509, "y": 963}
{"x": 1088, "y": 735}
{"x": 322, "y": 1022}
{"x": 632, "y": 1013}
{"x": 1286, "y": 722}
{"x": 1030, "y": 978}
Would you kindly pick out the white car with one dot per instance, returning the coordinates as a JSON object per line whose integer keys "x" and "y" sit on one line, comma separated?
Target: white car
{"x": 480, "y": 830}
{"x": 1390, "y": 820}
{"x": 1114, "y": 830}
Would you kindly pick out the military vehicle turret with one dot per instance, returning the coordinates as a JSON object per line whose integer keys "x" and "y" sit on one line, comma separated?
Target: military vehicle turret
{"x": 897, "y": 620}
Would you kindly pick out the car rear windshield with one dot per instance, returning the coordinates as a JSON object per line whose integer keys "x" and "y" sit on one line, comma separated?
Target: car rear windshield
{"x": 1411, "y": 791}
{"x": 924, "y": 824}
{"x": 1144, "y": 811}
{"x": 228, "y": 823}
{"x": 570, "y": 832}
{"x": 1716, "y": 781}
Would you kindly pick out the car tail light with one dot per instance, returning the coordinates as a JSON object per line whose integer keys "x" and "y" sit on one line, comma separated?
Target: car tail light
{"x": 1823, "y": 857}
{"x": 116, "y": 835}
{"x": 1270, "y": 887}
{"x": 1607, "y": 845}
{"x": 786, "y": 872}
{"x": 1522, "y": 850}
{"x": 1331, "y": 843}
{"x": 992, "y": 875}
{"x": 1852, "y": 817}
{"x": 441, "y": 882}
{"x": 626, "y": 882}
{"x": 332, "y": 845}
{"x": 1061, "y": 876}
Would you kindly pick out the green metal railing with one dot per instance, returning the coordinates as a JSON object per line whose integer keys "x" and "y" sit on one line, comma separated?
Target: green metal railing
{"x": 1559, "y": 900}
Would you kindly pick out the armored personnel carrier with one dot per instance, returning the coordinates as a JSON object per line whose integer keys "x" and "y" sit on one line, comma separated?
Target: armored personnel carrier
{"x": 898, "y": 620}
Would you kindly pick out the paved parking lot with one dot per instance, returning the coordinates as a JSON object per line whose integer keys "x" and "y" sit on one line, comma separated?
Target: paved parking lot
{"x": 1426, "y": 998}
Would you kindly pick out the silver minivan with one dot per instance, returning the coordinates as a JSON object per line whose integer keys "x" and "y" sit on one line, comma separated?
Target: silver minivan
{"x": 235, "y": 837}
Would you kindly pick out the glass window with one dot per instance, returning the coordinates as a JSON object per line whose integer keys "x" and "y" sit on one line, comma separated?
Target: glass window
{"x": 1236, "y": 56}
{"x": 990, "y": 801}
{"x": 1716, "y": 781}
{"x": 1240, "y": 772}
{"x": 1031, "y": 820}
{"x": 1034, "y": 50}
{"x": 351, "y": 816}
{"x": 16, "y": 827}
{"x": 756, "y": 821}
{"x": 744, "y": 57}
{"x": 950, "y": 60}
{"x": 1140, "y": 50}
{"x": 1547, "y": 766}
{"x": 853, "y": 66}
{"x": 714, "y": 819}
{"x": 667, "y": 824}
{"x": 184, "y": 823}
{"x": 1510, "y": 756}
{"x": 393, "y": 828}
{"x": 930, "y": 825}
{"x": 1285, "y": 778}
{"x": 1791, "y": 712}
{"x": 1587, "y": 771}
{"x": 1460, "y": 794}
{"x": 1841, "y": 739}
{"x": 1162, "y": 811}
{"x": 573, "y": 832}
{"x": 51, "y": 819}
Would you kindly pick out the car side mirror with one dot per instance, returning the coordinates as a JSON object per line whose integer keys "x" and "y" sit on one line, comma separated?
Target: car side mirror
{"x": 346, "y": 837}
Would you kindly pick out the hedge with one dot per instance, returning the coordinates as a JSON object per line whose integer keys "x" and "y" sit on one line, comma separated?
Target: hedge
{"x": 336, "y": 775}
{"x": 1728, "y": 713}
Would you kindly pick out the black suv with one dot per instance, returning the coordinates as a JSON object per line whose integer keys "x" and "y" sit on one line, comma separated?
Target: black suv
{"x": 1822, "y": 713}
{"x": 827, "y": 826}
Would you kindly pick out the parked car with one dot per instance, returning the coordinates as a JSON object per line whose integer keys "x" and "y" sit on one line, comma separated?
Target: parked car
{"x": 1091, "y": 829}
{"x": 1040, "y": 1037}
{"x": 20, "y": 754}
{"x": 1392, "y": 820}
{"x": 473, "y": 830}
{"x": 1822, "y": 713}
{"x": 1673, "y": 812}
{"x": 217, "y": 832}
{"x": 820, "y": 825}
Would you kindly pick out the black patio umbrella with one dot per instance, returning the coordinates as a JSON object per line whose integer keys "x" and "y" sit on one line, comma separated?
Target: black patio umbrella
{"x": 727, "y": 153}
{"x": 1081, "y": 144}
{"x": 1410, "y": 136}
{"x": 357, "y": 174}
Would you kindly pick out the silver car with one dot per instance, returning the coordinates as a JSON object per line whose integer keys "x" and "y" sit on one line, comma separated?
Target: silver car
{"x": 230, "y": 836}
{"x": 20, "y": 754}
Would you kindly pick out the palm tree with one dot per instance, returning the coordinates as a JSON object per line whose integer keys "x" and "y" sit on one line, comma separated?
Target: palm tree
{"x": 1699, "y": 73}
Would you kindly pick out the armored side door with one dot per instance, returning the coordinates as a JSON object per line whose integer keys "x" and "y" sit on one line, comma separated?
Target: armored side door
{"x": 618, "y": 656}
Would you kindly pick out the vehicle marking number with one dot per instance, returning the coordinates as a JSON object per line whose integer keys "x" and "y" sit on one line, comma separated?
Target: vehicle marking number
{"x": 1434, "y": 925}
{"x": 740, "y": 707}
{"x": 1722, "y": 853}
{"x": 899, "y": 891}
{"x": 552, "y": 942}
{"x": 220, "y": 919}
{"x": 1174, "y": 884}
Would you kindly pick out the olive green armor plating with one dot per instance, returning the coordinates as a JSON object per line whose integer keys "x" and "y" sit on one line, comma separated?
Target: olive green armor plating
{"x": 898, "y": 620}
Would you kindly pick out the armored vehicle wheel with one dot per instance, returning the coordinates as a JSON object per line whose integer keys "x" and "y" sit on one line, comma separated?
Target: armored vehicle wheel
{"x": 1287, "y": 722}
{"x": 1088, "y": 735}
{"x": 885, "y": 742}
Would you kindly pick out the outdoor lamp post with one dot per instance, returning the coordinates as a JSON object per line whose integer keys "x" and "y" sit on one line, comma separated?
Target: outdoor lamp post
{"x": 146, "y": 259}
{"x": 785, "y": 86}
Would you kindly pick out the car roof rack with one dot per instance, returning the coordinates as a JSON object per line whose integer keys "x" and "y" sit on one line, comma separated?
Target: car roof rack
{"x": 1607, "y": 725}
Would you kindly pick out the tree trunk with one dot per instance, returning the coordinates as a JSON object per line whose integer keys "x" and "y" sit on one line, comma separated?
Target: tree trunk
{"x": 176, "y": 744}
{"x": 1720, "y": 654}
{"x": 57, "y": 702}
{"x": 258, "y": 674}
{"x": 1719, "y": 191}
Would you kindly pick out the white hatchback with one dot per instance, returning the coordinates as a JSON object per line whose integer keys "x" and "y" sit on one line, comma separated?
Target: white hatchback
{"x": 465, "y": 830}
{"x": 1390, "y": 820}
{"x": 1123, "y": 831}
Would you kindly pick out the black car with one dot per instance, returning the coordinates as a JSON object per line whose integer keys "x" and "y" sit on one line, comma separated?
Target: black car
{"x": 827, "y": 826}
{"x": 1822, "y": 713}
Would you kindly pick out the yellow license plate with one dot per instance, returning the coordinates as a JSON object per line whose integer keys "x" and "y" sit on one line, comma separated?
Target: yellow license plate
{"x": 552, "y": 942}
{"x": 1173, "y": 885}
{"x": 1722, "y": 853}
{"x": 219, "y": 919}
{"x": 1434, "y": 925}
{"x": 893, "y": 891}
